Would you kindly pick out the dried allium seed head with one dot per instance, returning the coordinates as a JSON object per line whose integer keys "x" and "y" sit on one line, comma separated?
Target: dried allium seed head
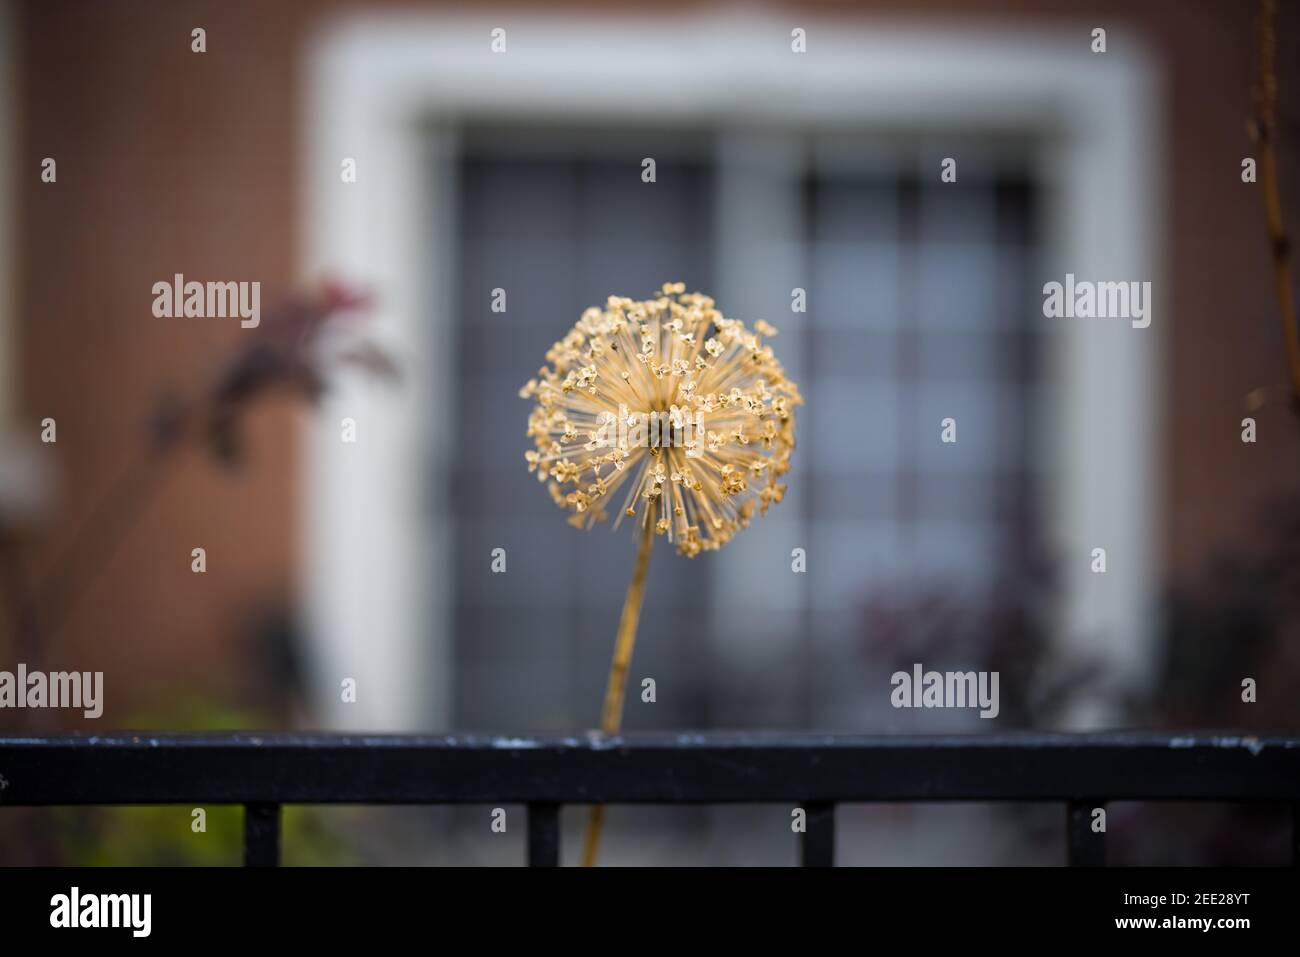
{"x": 684, "y": 411}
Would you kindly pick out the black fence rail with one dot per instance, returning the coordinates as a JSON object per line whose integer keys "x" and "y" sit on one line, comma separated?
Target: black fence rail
{"x": 816, "y": 772}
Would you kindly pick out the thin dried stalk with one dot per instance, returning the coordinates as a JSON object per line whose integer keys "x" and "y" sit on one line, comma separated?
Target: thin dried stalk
{"x": 611, "y": 718}
{"x": 1263, "y": 131}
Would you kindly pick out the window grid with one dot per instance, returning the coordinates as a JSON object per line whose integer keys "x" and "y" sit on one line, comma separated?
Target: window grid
{"x": 918, "y": 309}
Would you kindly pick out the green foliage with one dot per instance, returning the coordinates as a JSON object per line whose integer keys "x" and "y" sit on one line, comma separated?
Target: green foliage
{"x": 165, "y": 835}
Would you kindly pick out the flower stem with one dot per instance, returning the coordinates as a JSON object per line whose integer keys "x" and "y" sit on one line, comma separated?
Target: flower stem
{"x": 611, "y": 717}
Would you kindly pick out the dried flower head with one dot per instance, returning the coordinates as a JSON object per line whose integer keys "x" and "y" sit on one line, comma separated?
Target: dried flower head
{"x": 685, "y": 412}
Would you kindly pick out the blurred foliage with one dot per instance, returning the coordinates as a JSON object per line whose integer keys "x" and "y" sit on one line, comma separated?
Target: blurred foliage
{"x": 1237, "y": 618}
{"x": 1240, "y": 618}
{"x": 1005, "y": 625}
{"x": 164, "y": 835}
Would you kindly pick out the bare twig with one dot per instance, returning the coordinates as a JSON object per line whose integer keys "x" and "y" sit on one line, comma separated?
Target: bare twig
{"x": 1263, "y": 132}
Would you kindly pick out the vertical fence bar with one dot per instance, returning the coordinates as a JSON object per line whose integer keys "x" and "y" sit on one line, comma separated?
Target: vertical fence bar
{"x": 261, "y": 835}
{"x": 543, "y": 835}
{"x": 817, "y": 843}
{"x": 1084, "y": 847}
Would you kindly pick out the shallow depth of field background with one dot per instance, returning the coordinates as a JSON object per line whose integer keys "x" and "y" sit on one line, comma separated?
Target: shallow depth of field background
{"x": 923, "y": 301}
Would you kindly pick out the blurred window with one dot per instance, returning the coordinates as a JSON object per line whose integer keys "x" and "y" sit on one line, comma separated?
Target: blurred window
{"x": 919, "y": 304}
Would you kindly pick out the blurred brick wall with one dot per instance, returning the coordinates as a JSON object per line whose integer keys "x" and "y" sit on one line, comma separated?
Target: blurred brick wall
{"x": 167, "y": 162}
{"x": 172, "y": 162}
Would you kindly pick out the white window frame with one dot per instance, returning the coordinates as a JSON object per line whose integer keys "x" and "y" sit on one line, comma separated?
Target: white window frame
{"x": 388, "y": 90}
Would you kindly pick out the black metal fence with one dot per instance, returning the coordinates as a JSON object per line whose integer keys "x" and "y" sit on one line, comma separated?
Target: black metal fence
{"x": 816, "y": 772}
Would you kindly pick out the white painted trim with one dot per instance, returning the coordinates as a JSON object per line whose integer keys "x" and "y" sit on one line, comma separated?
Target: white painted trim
{"x": 375, "y": 585}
